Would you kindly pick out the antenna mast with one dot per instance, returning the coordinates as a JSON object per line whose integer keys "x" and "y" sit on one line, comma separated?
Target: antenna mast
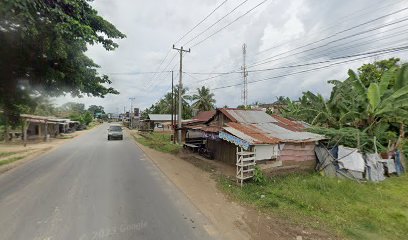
{"x": 245, "y": 75}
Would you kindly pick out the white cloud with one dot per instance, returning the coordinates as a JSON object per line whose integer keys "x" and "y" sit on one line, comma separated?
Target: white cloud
{"x": 153, "y": 26}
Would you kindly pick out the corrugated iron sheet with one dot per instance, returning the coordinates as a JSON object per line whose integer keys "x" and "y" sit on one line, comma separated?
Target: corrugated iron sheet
{"x": 289, "y": 124}
{"x": 269, "y": 133}
{"x": 205, "y": 128}
{"x": 161, "y": 117}
{"x": 273, "y": 130}
{"x": 249, "y": 116}
{"x": 250, "y": 132}
{"x": 204, "y": 116}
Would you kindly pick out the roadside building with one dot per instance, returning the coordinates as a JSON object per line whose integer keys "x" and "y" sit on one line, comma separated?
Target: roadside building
{"x": 269, "y": 139}
{"x": 197, "y": 122}
{"x": 42, "y": 128}
{"x": 160, "y": 122}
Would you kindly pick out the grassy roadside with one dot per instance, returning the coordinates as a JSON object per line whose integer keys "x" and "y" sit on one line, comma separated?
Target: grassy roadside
{"x": 10, "y": 160}
{"x": 92, "y": 125}
{"x": 6, "y": 154}
{"x": 348, "y": 209}
{"x": 345, "y": 208}
{"x": 158, "y": 141}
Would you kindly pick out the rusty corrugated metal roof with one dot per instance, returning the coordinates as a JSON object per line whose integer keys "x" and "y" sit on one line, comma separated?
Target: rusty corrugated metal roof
{"x": 252, "y": 134}
{"x": 205, "y": 128}
{"x": 247, "y": 116}
{"x": 258, "y": 127}
{"x": 289, "y": 124}
{"x": 204, "y": 116}
{"x": 286, "y": 135}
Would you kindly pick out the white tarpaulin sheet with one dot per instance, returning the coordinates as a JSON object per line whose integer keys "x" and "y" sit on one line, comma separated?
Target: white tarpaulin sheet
{"x": 375, "y": 169}
{"x": 351, "y": 159}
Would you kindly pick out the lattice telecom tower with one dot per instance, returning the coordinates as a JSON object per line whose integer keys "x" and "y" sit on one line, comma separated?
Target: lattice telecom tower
{"x": 245, "y": 75}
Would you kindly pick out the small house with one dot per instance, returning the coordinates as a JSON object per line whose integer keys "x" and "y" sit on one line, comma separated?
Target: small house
{"x": 160, "y": 121}
{"x": 271, "y": 139}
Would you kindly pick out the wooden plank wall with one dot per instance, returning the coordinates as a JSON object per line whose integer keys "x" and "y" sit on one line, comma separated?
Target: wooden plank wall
{"x": 223, "y": 151}
{"x": 298, "y": 152}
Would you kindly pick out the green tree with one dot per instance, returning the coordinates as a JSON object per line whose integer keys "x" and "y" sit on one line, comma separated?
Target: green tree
{"x": 43, "y": 45}
{"x": 372, "y": 72}
{"x": 71, "y": 108}
{"x": 377, "y": 106}
{"x": 93, "y": 109}
{"x": 44, "y": 107}
{"x": 87, "y": 118}
{"x": 163, "y": 106}
{"x": 203, "y": 100}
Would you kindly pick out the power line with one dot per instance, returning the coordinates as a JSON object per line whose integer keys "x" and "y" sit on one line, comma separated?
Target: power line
{"x": 241, "y": 16}
{"x": 219, "y": 20}
{"x": 272, "y": 59}
{"x": 320, "y": 62}
{"x": 334, "y": 25}
{"x": 403, "y": 48}
{"x": 299, "y": 65}
{"x": 337, "y": 33}
{"x": 133, "y": 73}
{"x": 157, "y": 76}
{"x": 188, "y": 32}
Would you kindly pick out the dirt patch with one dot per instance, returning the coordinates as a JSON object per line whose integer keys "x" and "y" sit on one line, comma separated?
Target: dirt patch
{"x": 32, "y": 149}
{"x": 266, "y": 226}
{"x": 196, "y": 178}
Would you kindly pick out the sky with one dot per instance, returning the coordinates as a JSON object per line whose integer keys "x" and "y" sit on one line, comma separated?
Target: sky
{"x": 297, "y": 45}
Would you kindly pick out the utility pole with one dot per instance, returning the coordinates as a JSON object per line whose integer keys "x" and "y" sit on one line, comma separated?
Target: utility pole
{"x": 131, "y": 112}
{"x": 180, "y": 97}
{"x": 245, "y": 75}
{"x": 172, "y": 107}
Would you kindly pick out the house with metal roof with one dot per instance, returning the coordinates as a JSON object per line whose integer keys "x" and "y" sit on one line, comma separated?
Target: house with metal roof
{"x": 269, "y": 138}
{"x": 160, "y": 121}
{"x": 41, "y": 127}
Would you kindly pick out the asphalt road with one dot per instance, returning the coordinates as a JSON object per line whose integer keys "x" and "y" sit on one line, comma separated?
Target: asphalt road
{"x": 90, "y": 188}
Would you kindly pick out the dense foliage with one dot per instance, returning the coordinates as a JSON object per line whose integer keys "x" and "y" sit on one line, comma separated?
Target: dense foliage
{"x": 372, "y": 102}
{"x": 203, "y": 100}
{"x": 43, "y": 45}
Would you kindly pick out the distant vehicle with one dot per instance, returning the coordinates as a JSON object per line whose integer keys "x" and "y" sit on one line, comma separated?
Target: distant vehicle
{"x": 115, "y": 132}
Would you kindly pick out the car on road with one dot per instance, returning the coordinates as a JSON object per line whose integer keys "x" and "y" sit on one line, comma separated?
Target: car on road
{"x": 115, "y": 132}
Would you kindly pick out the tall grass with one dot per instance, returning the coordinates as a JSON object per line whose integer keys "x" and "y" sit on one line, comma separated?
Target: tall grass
{"x": 159, "y": 141}
{"x": 346, "y": 208}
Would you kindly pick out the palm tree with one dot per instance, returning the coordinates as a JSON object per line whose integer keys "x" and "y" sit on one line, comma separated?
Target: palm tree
{"x": 204, "y": 100}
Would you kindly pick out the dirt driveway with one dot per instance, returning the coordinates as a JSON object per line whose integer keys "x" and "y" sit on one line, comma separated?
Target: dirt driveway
{"x": 233, "y": 220}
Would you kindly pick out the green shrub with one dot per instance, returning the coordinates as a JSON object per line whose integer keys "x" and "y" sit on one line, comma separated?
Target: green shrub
{"x": 259, "y": 176}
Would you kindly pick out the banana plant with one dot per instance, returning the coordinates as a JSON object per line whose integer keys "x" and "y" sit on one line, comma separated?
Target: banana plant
{"x": 382, "y": 101}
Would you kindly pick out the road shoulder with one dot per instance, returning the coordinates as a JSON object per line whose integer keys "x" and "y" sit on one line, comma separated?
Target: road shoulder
{"x": 233, "y": 220}
{"x": 202, "y": 191}
{"x": 25, "y": 154}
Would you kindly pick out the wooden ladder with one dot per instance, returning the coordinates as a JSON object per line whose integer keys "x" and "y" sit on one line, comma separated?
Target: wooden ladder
{"x": 245, "y": 165}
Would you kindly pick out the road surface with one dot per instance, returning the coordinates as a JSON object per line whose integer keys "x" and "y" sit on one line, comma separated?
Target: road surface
{"x": 91, "y": 189}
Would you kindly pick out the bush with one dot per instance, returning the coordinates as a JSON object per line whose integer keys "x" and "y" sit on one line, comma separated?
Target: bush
{"x": 87, "y": 118}
{"x": 259, "y": 176}
{"x": 349, "y": 137}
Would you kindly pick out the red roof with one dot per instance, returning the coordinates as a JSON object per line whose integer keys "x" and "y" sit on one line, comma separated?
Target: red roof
{"x": 254, "y": 132}
{"x": 205, "y": 128}
{"x": 288, "y": 124}
{"x": 204, "y": 116}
